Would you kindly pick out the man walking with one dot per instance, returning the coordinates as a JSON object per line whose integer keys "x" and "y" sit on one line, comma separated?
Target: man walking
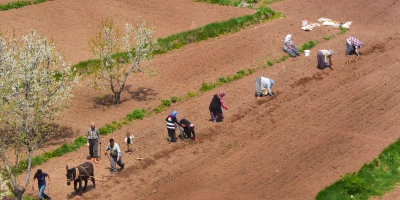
{"x": 93, "y": 140}
{"x": 115, "y": 156}
{"x": 41, "y": 177}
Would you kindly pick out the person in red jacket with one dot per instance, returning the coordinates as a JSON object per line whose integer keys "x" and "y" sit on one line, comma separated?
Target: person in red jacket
{"x": 215, "y": 107}
{"x": 188, "y": 128}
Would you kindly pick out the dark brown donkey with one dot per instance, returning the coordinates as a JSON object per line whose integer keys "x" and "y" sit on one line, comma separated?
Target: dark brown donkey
{"x": 79, "y": 173}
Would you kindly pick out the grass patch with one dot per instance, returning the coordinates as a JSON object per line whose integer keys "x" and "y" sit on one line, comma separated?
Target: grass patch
{"x": 343, "y": 30}
{"x": 270, "y": 63}
{"x": 373, "y": 179}
{"x": 19, "y": 4}
{"x": 38, "y": 160}
{"x": 266, "y": 2}
{"x": 164, "y": 104}
{"x": 328, "y": 37}
{"x": 281, "y": 59}
{"x": 308, "y": 45}
{"x": 235, "y": 3}
{"x": 179, "y": 40}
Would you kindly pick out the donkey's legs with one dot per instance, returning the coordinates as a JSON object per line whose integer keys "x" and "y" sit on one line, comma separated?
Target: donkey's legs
{"x": 94, "y": 183}
{"x": 80, "y": 187}
{"x": 85, "y": 184}
{"x": 75, "y": 182}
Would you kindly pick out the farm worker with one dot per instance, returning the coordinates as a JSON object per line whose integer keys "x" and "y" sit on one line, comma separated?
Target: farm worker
{"x": 322, "y": 56}
{"x": 353, "y": 46}
{"x": 128, "y": 141}
{"x": 41, "y": 177}
{"x": 215, "y": 107}
{"x": 289, "y": 47}
{"x": 188, "y": 128}
{"x": 93, "y": 140}
{"x": 171, "y": 125}
{"x": 263, "y": 86}
{"x": 115, "y": 156}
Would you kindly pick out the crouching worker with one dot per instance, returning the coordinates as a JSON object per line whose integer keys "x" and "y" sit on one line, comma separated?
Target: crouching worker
{"x": 215, "y": 107}
{"x": 353, "y": 46}
{"x": 115, "y": 156}
{"x": 289, "y": 47}
{"x": 263, "y": 87}
{"x": 188, "y": 129}
{"x": 322, "y": 58}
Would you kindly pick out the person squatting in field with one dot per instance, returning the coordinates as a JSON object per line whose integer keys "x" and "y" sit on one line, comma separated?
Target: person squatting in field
{"x": 322, "y": 57}
{"x": 263, "y": 87}
{"x": 353, "y": 46}
{"x": 41, "y": 178}
{"x": 93, "y": 140}
{"x": 171, "y": 126}
{"x": 188, "y": 128}
{"x": 115, "y": 156}
{"x": 215, "y": 107}
{"x": 289, "y": 47}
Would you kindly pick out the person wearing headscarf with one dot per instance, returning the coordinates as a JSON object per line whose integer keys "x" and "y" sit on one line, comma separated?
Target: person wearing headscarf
{"x": 322, "y": 57}
{"x": 353, "y": 46}
{"x": 263, "y": 86}
{"x": 215, "y": 107}
{"x": 171, "y": 125}
{"x": 289, "y": 47}
{"x": 188, "y": 128}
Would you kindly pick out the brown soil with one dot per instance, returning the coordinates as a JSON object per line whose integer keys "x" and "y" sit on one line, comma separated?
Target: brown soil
{"x": 321, "y": 125}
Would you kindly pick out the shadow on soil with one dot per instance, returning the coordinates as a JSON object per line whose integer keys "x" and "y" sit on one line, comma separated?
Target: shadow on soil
{"x": 140, "y": 94}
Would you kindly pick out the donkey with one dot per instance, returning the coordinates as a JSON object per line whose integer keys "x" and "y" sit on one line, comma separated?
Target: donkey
{"x": 79, "y": 173}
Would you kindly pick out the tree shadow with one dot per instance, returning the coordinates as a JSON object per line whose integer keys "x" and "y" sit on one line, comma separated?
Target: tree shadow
{"x": 141, "y": 93}
{"x": 106, "y": 100}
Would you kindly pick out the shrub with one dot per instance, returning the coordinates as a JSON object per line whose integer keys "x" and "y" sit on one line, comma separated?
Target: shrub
{"x": 174, "y": 99}
{"x": 270, "y": 63}
{"x": 206, "y": 87}
{"x": 222, "y": 80}
{"x": 308, "y": 45}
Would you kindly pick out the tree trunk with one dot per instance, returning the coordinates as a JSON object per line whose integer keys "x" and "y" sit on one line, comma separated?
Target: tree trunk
{"x": 117, "y": 97}
{"x": 18, "y": 192}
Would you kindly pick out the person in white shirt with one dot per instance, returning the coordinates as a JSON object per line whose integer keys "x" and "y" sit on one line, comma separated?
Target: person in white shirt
{"x": 115, "y": 156}
{"x": 263, "y": 86}
{"x": 128, "y": 141}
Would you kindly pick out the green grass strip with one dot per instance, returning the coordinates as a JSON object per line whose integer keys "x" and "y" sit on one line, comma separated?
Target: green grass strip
{"x": 235, "y": 3}
{"x": 38, "y": 160}
{"x": 19, "y": 4}
{"x": 179, "y": 40}
{"x": 373, "y": 179}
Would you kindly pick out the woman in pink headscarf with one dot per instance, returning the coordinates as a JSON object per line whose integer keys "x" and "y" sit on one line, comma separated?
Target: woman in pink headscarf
{"x": 216, "y": 105}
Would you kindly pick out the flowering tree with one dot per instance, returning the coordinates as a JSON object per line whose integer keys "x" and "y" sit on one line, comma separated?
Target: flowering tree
{"x": 35, "y": 86}
{"x": 112, "y": 71}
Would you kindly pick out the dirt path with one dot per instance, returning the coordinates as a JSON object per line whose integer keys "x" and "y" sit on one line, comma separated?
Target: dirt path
{"x": 321, "y": 125}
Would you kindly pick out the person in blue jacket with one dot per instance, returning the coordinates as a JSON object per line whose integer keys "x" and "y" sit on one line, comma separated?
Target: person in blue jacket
{"x": 171, "y": 126}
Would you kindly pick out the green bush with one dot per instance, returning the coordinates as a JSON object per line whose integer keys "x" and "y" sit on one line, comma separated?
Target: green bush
{"x": 206, "y": 87}
{"x": 174, "y": 99}
{"x": 19, "y": 4}
{"x": 191, "y": 94}
{"x": 270, "y": 63}
{"x": 308, "y": 45}
{"x": 38, "y": 160}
